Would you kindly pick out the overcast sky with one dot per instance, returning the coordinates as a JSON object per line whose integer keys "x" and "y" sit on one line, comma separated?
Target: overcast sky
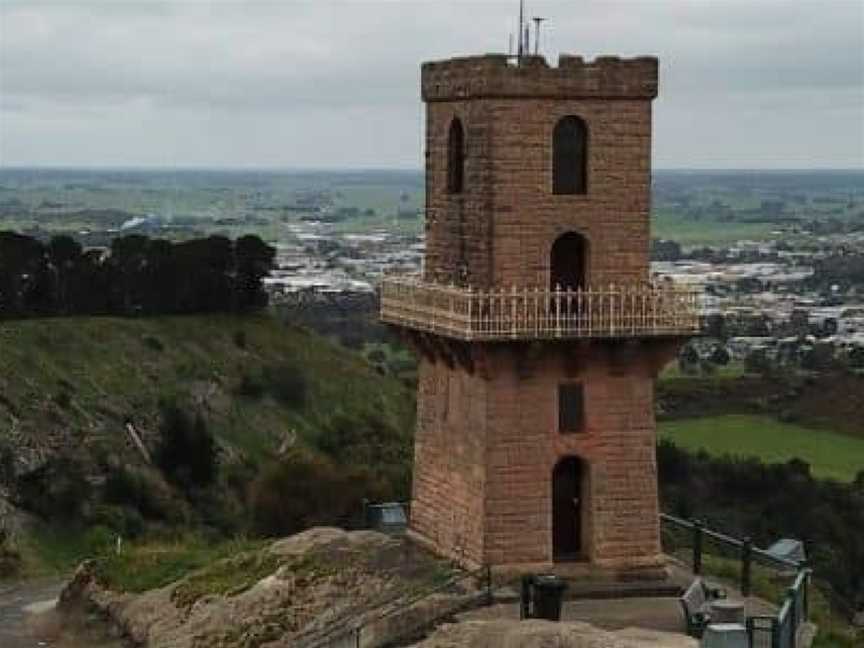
{"x": 744, "y": 83}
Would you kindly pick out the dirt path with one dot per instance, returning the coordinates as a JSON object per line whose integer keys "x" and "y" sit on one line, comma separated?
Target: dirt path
{"x": 28, "y": 620}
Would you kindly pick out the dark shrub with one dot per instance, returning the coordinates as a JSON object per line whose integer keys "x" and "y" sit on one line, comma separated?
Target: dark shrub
{"x": 123, "y": 521}
{"x": 287, "y": 384}
{"x": 10, "y": 559}
{"x": 56, "y": 491}
{"x": 153, "y": 343}
{"x": 240, "y": 339}
{"x": 251, "y": 386}
{"x": 187, "y": 452}
{"x": 304, "y": 490}
{"x": 63, "y": 400}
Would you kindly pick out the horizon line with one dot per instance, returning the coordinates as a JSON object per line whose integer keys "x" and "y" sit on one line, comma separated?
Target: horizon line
{"x": 374, "y": 169}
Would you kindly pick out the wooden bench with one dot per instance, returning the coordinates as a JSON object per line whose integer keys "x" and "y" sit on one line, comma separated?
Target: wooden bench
{"x": 696, "y": 602}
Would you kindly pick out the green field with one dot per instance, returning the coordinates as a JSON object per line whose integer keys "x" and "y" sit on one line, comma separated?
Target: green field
{"x": 830, "y": 455}
{"x": 667, "y": 224}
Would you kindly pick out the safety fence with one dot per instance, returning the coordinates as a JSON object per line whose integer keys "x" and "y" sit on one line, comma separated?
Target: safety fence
{"x": 780, "y": 630}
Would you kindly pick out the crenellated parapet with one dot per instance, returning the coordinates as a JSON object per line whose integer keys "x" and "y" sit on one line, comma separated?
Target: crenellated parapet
{"x": 497, "y": 76}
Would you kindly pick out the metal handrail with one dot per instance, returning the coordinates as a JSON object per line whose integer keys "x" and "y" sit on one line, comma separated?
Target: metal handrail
{"x": 794, "y": 609}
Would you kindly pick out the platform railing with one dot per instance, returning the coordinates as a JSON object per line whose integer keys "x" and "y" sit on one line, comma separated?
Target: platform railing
{"x": 780, "y": 630}
{"x": 611, "y": 311}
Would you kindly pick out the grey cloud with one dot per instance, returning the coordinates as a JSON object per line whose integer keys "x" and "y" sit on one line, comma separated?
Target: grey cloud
{"x": 211, "y": 80}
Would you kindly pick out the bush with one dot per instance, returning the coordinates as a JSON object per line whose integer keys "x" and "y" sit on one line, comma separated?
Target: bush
{"x": 63, "y": 400}
{"x": 304, "y": 490}
{"x": 122, "y": 521}
{"x": 153, "y": 343}
{"x": 240, "y": 339}
{"x": 187, "y": 452}
{"x": 286, "y": 384}
{"x": 57, "y": 491}
{"x": 138, "y": 490}
{"x": 7, "y": 463}
{"x": 744, "y": 497}
{"x": 10, "y": 559}
{"x": 251, "y": 387}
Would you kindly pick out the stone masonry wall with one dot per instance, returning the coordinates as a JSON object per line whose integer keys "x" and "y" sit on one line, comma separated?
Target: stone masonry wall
{"x": 486, "y": 449}
{"x": 620, "y": 508}
{"x": 449, "y": 460}
{"x": 500, "y": 230}
{"x": 487, "y": 440}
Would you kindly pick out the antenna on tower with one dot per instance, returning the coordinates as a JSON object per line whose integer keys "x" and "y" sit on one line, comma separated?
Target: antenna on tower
{"x": 537, "y": 20}
{"x": 520, "y": 48}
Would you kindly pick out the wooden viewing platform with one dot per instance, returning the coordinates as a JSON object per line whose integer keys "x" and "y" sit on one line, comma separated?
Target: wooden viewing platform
{"x": 614, "y": 311}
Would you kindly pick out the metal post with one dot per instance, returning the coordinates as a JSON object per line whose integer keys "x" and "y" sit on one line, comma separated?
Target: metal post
{"x": 489, "y": 599}
{"x": 746, "y": 565}
{"x": 525, "y": 598}
{"x": 793, "y": 612}
{"x": 697, "y": 547}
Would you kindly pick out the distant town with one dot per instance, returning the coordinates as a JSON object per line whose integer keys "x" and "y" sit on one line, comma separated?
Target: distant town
{"x": 780, "y": 255}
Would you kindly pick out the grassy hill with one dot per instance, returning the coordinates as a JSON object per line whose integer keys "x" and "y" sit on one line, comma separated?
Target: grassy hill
{"x": 265, "y": 392}
{"x": 83, "y": 378}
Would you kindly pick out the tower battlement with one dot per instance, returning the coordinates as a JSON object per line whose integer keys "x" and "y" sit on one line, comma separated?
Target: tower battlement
{"x": 495, "y": 76}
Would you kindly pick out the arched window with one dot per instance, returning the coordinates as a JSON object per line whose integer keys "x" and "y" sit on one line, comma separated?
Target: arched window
{"x": 570, "y": 156}
{"x": 568, "y": 262}
{"x": 455, "y": 157}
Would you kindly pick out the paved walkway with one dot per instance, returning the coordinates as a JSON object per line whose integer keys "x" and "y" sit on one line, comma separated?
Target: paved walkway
{"x": 662, "y": 614}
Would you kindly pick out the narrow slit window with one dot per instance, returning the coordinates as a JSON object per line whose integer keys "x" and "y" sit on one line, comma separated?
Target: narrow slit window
{"x": 570, "y": 156}
{"x": 455, "y": 157}
{"x": 571, "y": 408}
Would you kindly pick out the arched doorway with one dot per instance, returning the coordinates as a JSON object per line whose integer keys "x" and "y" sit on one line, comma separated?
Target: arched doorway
{"x": 568, "y": 260}
{"x": 567, "y": 504}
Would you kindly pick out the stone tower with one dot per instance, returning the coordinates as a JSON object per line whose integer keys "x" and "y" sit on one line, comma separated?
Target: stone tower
{"x": 538, "y": 330}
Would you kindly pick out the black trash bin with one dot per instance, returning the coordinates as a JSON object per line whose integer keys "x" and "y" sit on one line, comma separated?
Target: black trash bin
{"x": 548, "y": 595}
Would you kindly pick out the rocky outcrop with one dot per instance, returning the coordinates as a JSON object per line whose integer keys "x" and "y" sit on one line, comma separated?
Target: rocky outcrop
{"x": 542, "y": 634}
{"x": 310, "y": 584}
{"x": 315, "y": 588}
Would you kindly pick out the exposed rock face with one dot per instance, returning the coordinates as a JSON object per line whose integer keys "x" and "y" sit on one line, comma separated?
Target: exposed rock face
{"x": 544, "y": 634}
{"x": 315, "y": 581}
{"x": 307, "y": 590}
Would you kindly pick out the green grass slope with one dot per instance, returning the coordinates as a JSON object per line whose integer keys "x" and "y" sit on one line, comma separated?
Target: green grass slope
{"x": 830, "y": 455}
{"x": 79, "y": 379}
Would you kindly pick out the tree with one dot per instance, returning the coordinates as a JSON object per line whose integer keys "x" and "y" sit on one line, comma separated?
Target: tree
{"x": 21, "y": 261}
{"x": 254, "y": 261}
{"x": 715, "y": 326}
{"x": 64, "y": 253}
{"x": 720, "y": 355}
{"x": 856, "y": 357}
{"x": 128, "y": 260}
{"x": 688, "y": 360}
